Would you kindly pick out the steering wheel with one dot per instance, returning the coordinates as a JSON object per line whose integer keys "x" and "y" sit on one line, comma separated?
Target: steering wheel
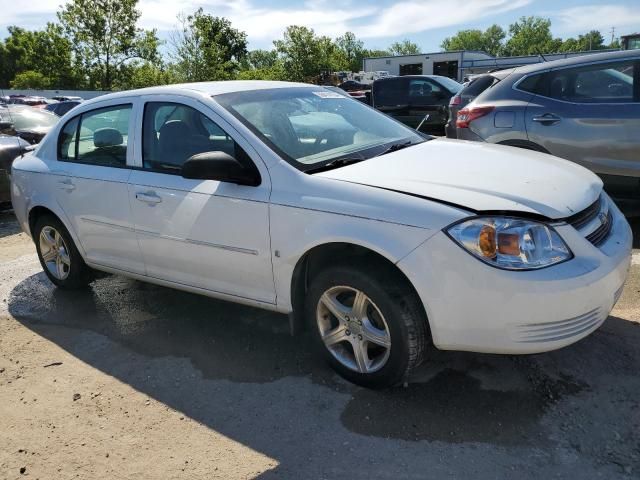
{"x": 325, "y": 135}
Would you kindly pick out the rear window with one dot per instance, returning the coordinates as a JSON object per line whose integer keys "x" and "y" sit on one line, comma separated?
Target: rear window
{"x": 479, "y": 85}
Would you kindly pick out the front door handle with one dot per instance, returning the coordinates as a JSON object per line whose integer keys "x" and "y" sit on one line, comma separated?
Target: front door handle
{"x": 148, "y": 197}
{"x": 547, "y": 119}
{"x": 66, "y": 185}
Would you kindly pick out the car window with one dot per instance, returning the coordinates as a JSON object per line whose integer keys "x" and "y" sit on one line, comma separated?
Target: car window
{"x": 423, "y": 88}
{"x": 531, "y": 84}
{"x": 28, "y": 118}
{"x": 174, "y": 132}
{"x": 391, "y": 92}
{"x": 479, "y": 85}
{"x": 67, "y": 140}
{"x": 600, "y": 83}
{"x": 308, "y": 126}
{"x": 99, "y": 139}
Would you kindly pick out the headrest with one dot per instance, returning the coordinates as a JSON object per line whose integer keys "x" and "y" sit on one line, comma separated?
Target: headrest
{"x": 107, "y": 137}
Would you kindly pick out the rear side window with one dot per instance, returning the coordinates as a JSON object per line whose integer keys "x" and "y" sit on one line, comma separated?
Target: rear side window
{"x": 98, "y": 137}
{"x": 600, "y": 83}
{"x": 391, "y": 92}
{"x": 67, "y": 140}
{"x": 532, "y": 84}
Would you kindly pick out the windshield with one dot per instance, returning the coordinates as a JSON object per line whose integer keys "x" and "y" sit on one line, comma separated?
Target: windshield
{"x": 29, "y": 118}
{"x": 450, "y": 84}
{"x": 311, "y": 126}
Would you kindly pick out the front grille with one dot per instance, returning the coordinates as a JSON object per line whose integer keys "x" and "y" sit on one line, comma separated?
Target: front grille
{"x": 594, "y": 222}
{"x": 582, "y": 218}
{"x": 601, "y": 233}
{"x": 559, "y": 330}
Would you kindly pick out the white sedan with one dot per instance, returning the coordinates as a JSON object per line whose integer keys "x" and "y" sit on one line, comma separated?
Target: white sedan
{"x": 295, "y": 198}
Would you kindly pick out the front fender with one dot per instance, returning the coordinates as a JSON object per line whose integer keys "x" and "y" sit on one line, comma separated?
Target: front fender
{"x": 295, "y": 231}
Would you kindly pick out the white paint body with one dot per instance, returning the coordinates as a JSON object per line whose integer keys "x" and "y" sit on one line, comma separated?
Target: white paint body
{"x": 221, "y": 239}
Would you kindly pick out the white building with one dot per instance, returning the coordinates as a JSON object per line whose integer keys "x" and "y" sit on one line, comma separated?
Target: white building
{"x": 457, "y": 64}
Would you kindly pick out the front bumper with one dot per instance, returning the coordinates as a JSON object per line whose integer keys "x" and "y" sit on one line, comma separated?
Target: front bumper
{"x": 475, "y": 307}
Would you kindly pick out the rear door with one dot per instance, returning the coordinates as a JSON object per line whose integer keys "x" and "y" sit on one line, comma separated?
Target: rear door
{"x": 427, "y": 97}
{"x": 95, "y": 151}
{"x": 590, "y": 115}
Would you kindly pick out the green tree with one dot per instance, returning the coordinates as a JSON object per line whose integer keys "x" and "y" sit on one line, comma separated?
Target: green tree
{"x": 105, "y": 37}
{"x": 260, "y": 59}
{"x": 31, "y": 79}
{"x": 46, "y": 52}
{"x": 405, "y": 47}
{"x": 352, "y": 50}
{"x": 300, "y": 52}
{"x": 489, "y": 41}
{"x": 530, "y": 36}
{"x": 207, "y": 48}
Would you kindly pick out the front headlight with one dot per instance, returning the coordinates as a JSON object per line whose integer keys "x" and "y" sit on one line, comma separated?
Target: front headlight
{"x": 510, "y": 243}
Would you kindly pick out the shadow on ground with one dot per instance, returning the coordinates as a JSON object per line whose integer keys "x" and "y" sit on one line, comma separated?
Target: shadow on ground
{"x": 270, "y": 392}
{"x": 8, "y": 224}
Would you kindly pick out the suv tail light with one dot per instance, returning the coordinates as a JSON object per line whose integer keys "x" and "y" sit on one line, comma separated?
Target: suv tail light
{"x": 468, "y": 115}
{"x": 455, "y": 100}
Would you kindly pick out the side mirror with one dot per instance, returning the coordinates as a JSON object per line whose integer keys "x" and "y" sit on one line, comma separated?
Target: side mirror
{"x": 219, "y": 166}
{"x": 5, "y": 125}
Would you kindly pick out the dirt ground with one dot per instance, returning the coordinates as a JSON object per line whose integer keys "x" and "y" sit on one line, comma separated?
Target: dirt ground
{"x": 127, "y": 380}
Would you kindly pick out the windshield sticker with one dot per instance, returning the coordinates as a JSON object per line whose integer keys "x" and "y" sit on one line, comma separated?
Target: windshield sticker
{"x": 328, "y": 94}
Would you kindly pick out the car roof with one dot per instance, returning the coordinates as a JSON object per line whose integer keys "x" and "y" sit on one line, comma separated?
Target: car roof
{"x": 207, "y": 88}
{"x": 579, "y": 60}
{"x": 387, "y": 79}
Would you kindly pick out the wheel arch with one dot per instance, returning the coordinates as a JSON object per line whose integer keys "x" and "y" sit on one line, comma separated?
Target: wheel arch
{"x": 526, "y": 144}
{"x": 38, "y": 210}
{"x": 323, "y": 255}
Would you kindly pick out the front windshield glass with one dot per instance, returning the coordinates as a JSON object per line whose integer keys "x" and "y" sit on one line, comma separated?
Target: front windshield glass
{"x": 312, "y": 126}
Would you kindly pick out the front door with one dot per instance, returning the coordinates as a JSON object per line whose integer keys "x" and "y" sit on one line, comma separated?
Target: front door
{"x": 91, "y": 177}
{"x": 200, "y": 233}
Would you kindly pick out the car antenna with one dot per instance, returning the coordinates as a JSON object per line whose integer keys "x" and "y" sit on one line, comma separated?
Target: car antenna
{"x": 541, "y": 55}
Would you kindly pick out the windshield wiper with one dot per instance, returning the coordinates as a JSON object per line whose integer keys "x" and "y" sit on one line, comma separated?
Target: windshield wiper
{"x": 337, "y": 163}
{"x": 395, "y": 147}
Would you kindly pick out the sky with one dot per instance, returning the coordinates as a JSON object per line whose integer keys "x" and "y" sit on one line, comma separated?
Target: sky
{"x": 377, "y": 23}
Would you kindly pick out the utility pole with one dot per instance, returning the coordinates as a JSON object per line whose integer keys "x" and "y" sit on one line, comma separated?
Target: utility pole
{"x": 613, "y": 33}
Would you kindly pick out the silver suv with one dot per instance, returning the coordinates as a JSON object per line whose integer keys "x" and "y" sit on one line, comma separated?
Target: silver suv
{"x": 585, "y": 109}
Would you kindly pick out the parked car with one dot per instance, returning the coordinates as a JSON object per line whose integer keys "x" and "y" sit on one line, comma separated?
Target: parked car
{"x": 26, "y": 122}
{"x": 585, "y": 109}
{"x": 10, "y": 149}
{"x": 471, "y": 90}
{"x": 411, "y": 98}
{"x": 381, "y": 241}
{"x": 62, "y": 107}
{"x": 352, "y": 85}
{"x": 67, "y": 98}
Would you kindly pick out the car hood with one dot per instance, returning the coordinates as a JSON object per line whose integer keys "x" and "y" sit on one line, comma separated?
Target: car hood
{"x": 480, "y": 177}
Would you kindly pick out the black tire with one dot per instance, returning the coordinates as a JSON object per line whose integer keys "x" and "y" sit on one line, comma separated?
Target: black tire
{"x": 402, "y": 311}
{"x": 79, "y": 274}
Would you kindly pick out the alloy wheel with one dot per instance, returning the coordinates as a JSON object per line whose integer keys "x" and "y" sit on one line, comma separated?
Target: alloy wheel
{"x": 55, "y": 253}
{"x": 353, "y": 329}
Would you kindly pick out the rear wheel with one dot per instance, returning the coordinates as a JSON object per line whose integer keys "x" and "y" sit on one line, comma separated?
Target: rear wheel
{"x": 58, "y": 255}
{"x": 372, "y": 330}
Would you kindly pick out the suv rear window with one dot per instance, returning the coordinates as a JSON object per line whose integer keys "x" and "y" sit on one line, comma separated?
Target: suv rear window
{"x": 479, "y": 85}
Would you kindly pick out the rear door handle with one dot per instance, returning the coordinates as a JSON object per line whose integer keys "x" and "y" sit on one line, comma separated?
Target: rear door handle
{"x": 547, "y": 118}
{"x": 148, "y": 197}
{"x": 66, "y": 185}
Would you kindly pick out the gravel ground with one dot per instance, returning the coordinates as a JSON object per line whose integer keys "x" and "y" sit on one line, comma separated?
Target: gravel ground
{"x": 129, "y": 380}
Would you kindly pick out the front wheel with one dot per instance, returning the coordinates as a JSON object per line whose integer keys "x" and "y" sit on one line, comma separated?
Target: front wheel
{"x": 371, "y": 329}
